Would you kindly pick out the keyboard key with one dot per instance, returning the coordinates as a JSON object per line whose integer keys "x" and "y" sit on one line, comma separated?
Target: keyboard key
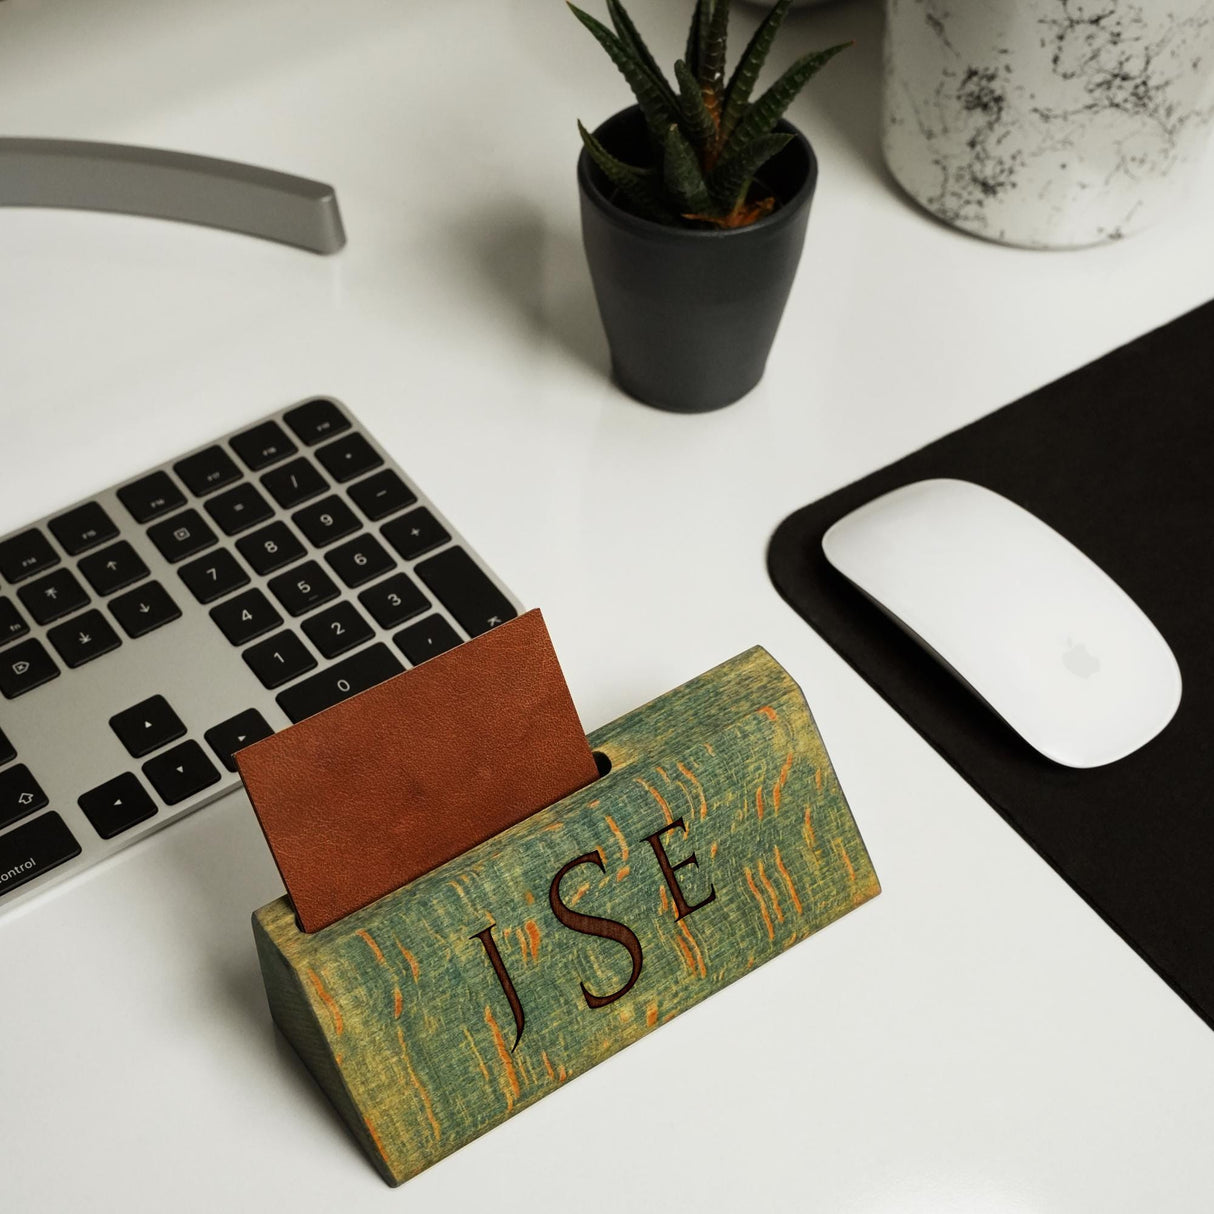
{"x": 181, "y": 772}
{"x": 20, "y": 794}
{"x": 246, "y": 617}
{"x": 315, "y": 420}
{"x": 294, "y": 483}
{"x": 239, "y": 508}
{"x": 426, "y": 639}
{"x": 24, "y": 667}
{"x": 12, "y": 625}
{"x": 359, "y": 561}
{"x": 382, "y": 494}
{"x": 394, "y": 600}
{"x": 205, "y": 471}
{"x": 33, "y": 849}
{"x": 147, "y": 726}
{"x": 466, "y": 591}
{"x": 235, "y": 734}
{"x": 337, "y": 630}
{"x": 304, "y": 587}
{"x": 84, "y": 638}
{"x": 26, "y": 554}
{"x": 270, "y": 548}
{"x": 279, "y": 660}
{"x": 262, "y": 446}
{"x": 326, "y": 521}
{"x": 144, "y": 609}
{"x": 414, "y": 533}
{"x": 8, "y": 752}
{"x": 212, "y": 576}
{"x": 348, "y": 457}
{"x": 54, "y": 596}
{"x": 342, "y": 680}
{"x": 151, "y": 496}
{"x": 181, "y": 536}
{"x": 113, "y": 568}
{"x": 83, "y": 528}
{"x": 117, "y": 805}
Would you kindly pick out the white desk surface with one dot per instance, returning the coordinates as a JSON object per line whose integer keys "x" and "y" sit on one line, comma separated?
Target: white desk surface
{"x": 994, "y": 1047}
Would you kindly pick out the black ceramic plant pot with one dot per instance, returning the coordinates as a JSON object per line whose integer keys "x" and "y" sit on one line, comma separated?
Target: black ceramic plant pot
{"x": 691, "y": 313}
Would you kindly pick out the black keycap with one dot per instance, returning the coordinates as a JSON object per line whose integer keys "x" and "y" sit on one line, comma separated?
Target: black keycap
{"x": 279, "y": 659}
{"x": 466, "y": 591}
{"x": 20, "y": 794}
{"x": 12, "y": 625}
{"x": 302, "y": 588}
{"x": 426, "y": 639}
{"x": 315, "y": 420}
{"x": 54, "y": 596}
{"x": 337, "y": 630}
{"x": 394, "y": 600}
{"x": 360, "y": 560}
{"x": 212, "y": 576}
{"x": 24, "y": 667}
{"x": 33, "y": 849}
{"x": 239, "y": 508}
{"x": 263, "y": 445}
{"x": 414, "y": 533}
{"x": 382, "y": 494}
{"x": 144, "y": 609}
{"x": 270, "y": 548}
{"x": 113, "y": 568}
{"x": 8, "y": 752}
{"x": 147, "y": 726}
{"x": 181, "y": 772}
{"x": 181, "y": 536}
{"x": 83, "y": 528}
{"x": 205, "y": 471}
{"x": 326, "y": 521}
{"x": 151, "y": 497}
{"x": 117, "y": 805}
{"x": 236, "y": 733}
{"x": 26, "y": 554}
{"x": 84, "y": 638}
{"x": 340, "y": 681}
{"x": 294, "y": 483}
{"x": 348, "y": 457}
{"x": 246, "y": 617}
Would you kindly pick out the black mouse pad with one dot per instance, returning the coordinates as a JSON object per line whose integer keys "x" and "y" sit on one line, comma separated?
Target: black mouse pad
{"x": 1119, "y": 457}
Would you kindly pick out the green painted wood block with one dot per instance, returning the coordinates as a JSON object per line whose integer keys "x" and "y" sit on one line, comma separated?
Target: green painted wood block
{"x": 719, "y": 838}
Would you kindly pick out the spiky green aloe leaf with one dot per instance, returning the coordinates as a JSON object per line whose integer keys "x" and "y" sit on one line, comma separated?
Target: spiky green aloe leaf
{"x": 760, "y": 117}
{"x": 742, "y": 82}
{"x": 639, "y": 186}
{"x": 712, "y": 61}
{"x": 697, "y": 121}
{"x": 659, "y": 113}
{"x": 682, "y": 176}
{"x": 631, "y": 38}
{"x": 700, "y": 19}
{"x": 729, "y": 182}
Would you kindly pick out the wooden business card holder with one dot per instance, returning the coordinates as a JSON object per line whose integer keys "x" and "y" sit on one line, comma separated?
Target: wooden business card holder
{"x": 718, "y": 838}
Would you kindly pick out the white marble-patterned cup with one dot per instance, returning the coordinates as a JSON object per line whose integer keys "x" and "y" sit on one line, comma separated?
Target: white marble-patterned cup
{"x": 1047, "y": 123}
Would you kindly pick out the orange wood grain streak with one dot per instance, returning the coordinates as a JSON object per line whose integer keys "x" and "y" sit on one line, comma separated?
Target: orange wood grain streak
{"x": 511, "y": 1075}
{"x": 376, "y": 951}
{"x": 329, "y": 1002}
{"x": 754, "y": 889}
{"x": 792, "y": 889}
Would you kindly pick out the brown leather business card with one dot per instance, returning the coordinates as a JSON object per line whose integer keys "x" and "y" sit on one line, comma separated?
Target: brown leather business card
{"x": 381, "y": 788}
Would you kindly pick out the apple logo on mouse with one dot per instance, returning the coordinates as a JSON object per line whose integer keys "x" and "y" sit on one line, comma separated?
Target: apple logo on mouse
{"x": 1078, "y": 660}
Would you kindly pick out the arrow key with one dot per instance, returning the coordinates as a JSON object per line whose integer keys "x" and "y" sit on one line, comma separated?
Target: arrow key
{"x": 117, "y": 805}
{"x": 147, "y": 726}
{"x": 20, "y": 794}
{"x": 181, "y": 772}
{"x": 113, "y": 568}
{"x": 83, "y": 638}
{"x": 144, "y": 609}
{"x": 236, "y": 733}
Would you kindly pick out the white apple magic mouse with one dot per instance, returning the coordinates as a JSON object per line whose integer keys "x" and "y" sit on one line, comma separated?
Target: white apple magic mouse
{"x": 1018, "y": 613}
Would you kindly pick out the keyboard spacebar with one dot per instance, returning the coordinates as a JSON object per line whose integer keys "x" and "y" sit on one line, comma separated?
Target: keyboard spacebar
{"x": 340, "y": 681}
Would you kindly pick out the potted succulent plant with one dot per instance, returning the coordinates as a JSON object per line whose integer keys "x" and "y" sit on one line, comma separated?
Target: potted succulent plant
{"x": 694, "y": 204}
